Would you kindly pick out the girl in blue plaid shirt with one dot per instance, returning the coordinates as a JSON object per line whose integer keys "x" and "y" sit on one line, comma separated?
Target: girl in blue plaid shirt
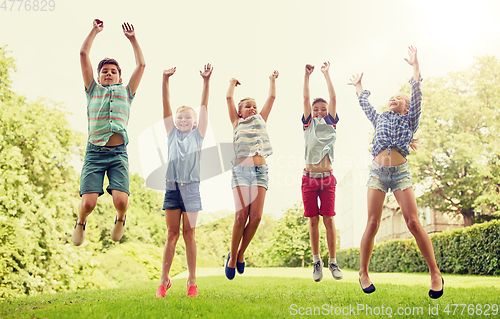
{"x": 394, "y": 131}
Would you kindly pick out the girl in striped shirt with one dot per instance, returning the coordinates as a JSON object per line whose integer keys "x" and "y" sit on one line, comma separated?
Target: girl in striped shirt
{"x": 249, "y": 175}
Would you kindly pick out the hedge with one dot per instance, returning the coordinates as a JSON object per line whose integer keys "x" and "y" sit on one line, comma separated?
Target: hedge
{"x": 471, "y": 250}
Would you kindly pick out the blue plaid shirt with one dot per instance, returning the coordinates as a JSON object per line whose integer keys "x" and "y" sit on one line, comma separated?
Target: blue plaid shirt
{"x": 394, "y": 130}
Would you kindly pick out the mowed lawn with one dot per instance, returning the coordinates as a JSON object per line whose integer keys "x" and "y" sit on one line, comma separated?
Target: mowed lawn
{"x": 272, "y": 293}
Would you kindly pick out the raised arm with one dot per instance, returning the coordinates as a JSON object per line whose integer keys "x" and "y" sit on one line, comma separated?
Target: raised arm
{"x": 140, "y": 63}
{"x": 369, "y": 110}
{"x": 356, "y": 81}
{"x": 231, "y": 108}
{"x": 332, "y": 105}
{"x": 413, "y": 61}
{"x": 266, "y": 109}
{"x": 307, "y": 96}
{"x": 203, "y": 121}
{"x": 87, "y": 72}
{"x": 168, "y": 119}
{"x": 414, "y": 110}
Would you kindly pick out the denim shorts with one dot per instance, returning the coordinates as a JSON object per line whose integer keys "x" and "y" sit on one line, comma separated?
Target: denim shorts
{"x": 112, "y": 160}
{"x": 248, "y": 176}
{"x": 183, "y": 196}
{"x": 389, "y": 177}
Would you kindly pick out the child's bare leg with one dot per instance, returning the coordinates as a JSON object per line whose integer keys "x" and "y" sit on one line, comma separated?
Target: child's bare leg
{"x": 188, "y": 232}
{"x": 375, "y": 204}
{"x": 408, "y": 204}
{"x": 173, "y": 219}
{"x": 241, "y": 196}
{"x": 86, "y": 206}
{"x": 120, "y": 200}
{"x": 314, "y": 234}
{"x": 331, "y": 235}
{"x": 254, "y": 218}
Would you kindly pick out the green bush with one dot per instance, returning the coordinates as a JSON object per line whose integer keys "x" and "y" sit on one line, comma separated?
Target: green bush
{"x": 472, "y": 250}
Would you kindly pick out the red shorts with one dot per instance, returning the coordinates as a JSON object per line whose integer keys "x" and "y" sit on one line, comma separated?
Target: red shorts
{"x": 324, "y": 188}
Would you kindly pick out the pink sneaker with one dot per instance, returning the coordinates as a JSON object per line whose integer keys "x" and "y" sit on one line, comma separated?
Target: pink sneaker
{"x": 162, "y": 290}
{"x": 192, "y": 291}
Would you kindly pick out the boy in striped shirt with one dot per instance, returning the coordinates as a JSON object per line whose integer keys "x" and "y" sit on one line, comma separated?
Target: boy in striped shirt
{"x": 108, "y": 109}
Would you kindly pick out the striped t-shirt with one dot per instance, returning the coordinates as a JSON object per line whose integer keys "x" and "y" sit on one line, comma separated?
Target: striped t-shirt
{"x": 108, "y": 110}
{"x": 250, "y": 137}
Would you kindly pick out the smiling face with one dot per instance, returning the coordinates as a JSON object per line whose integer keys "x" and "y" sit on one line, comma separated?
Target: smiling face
{"x": 399, "y": 103}
{"x": 109, "y": 75}
{"x": 185, "y": 120}
{"x": 320, "y": 109}
{"x": 247, "y": 108}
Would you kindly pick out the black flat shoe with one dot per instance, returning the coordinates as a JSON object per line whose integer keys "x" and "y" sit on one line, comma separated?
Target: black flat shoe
{"x": 369, "y": 289}
{"x": 436, "y": 294}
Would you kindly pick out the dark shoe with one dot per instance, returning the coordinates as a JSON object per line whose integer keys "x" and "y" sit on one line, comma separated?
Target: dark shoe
{"x": 369, "y": 289}
{"x": 436, "y": 294}
{"x": 230, "y": 272}
{"x": 240, "y": 267}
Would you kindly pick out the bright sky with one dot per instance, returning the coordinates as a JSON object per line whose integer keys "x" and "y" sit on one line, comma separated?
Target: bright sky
{"x": 248, "y": 40}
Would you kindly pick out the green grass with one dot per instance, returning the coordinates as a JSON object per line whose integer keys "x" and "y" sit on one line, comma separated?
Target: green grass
{"x": 262, "y": 293}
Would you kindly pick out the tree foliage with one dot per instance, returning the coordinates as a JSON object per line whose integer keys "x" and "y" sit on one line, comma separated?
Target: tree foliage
{"x": 458, "y": 161}
{"x": 291, "y": 245}
{"x": 38, "y": 200}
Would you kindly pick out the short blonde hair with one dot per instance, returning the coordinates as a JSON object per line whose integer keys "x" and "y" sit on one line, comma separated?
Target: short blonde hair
{"x": 186, "y": 108}
{"x": 193, "y": 112}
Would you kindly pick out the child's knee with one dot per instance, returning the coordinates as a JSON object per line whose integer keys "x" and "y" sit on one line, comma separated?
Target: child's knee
{"x": 328, "y": 222}
{"x": 88, "y": 204}
{"x": 173, "y": 234}
{"x": 120, "y": 202}
{"x": 188, "y": 233}
{"x": 314, "y": 221}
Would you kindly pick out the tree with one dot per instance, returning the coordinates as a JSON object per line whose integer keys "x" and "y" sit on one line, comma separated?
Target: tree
{"x": 291, "y": 245}
{"x": 36, "y": 191}
{"x": 458, "y": 160}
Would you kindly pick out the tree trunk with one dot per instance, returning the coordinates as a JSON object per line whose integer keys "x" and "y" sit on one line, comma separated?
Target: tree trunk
{"x": 467, "y": 220}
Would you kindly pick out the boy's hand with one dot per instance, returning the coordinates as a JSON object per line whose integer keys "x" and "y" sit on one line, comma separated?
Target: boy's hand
{"x": 207, "y": 72}
{"x": 169, "y": 72}
{"x": 356, "y": 79}
{"x": 412, "y": 52}
{"x": 234, "y": 82}
{"x": 309, "y": 69}
{"x": 325, "y": 67}
{"x": 275, "y": 75}
{"x": 128, "y": 30}
{"x": 98, "y": 25}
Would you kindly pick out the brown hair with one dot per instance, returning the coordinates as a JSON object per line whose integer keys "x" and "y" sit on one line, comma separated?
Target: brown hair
{"x": 318, "y": 100}
{"x": 109, "y": 61}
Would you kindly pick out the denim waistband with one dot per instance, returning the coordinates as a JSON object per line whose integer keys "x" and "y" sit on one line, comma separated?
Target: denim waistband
{"x": 251, "y": 168}
{"x": 97, "y": 148}
{"x": 390, "y": 169}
